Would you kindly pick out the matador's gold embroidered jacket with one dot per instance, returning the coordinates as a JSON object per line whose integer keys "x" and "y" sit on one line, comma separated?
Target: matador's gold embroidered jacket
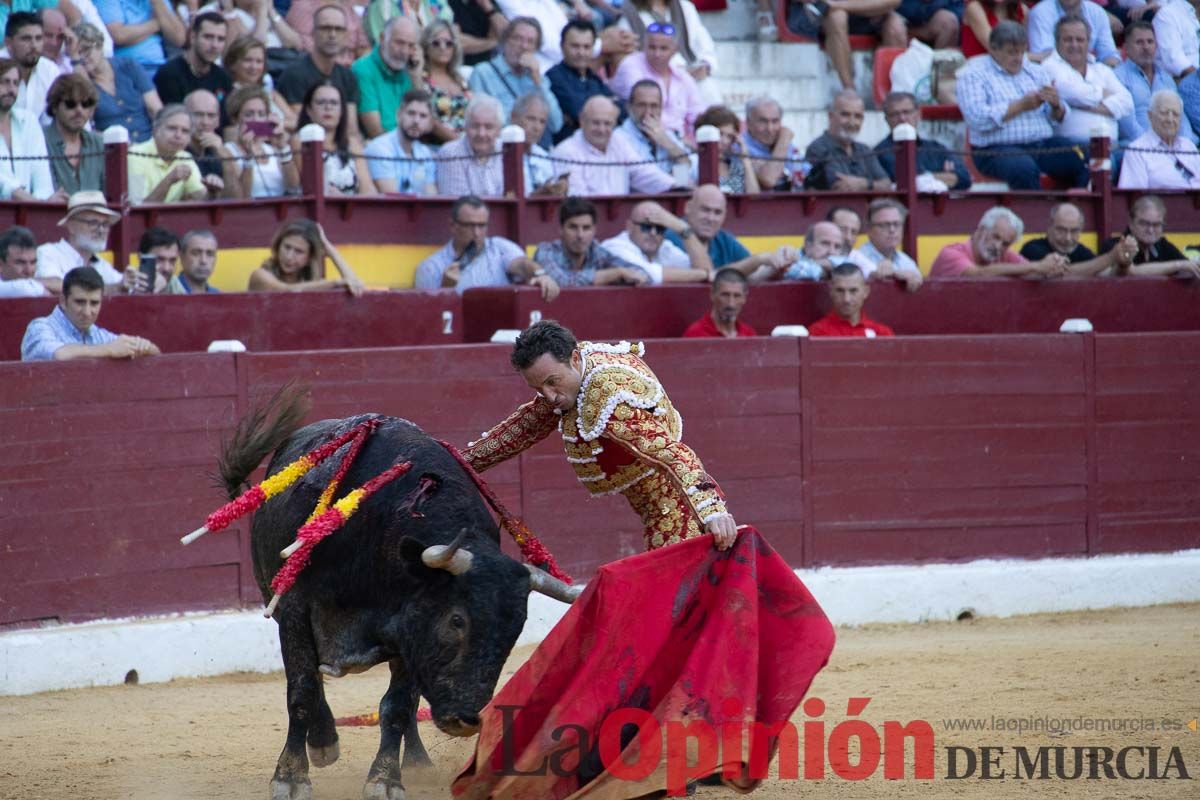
{"x": 623, "y": 436}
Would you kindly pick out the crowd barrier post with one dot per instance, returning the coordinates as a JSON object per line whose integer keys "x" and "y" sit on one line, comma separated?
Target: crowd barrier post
{"x": 708, "y": 142}
{"x": 512, "y": 139}
{"x": 1101, "y": 169}
{"x": 905, "y": 137}
{"x": 116, "y": 189}
{"x": 312, "y": 172}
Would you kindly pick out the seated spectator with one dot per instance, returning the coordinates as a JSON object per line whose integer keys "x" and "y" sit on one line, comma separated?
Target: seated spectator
{"x": 608, "y": 155}
{"x": 1175, "y": 28}
{"x": 933, "y": 158}
{"x": 77, "y": 154}
{"x": 480, "y": 24}
{"x": 575, "y": 259}
{"x": 980, "y": 16}
{"x": 471, "y": 164}
{"x": 695, "y": 50}
{"x": 736, "y": 173}
{"x": 346, "y": 170}
{"x": 1189, "y": 93}
{"x": 1160, "y": 158}
{"x": 848, "y": 292}
{"x": 250, "y": 18}
{"x": 987, "y": 253}
{"x": 246, "y": 63}
{"x": 729, "y": 294}
{"x": 321, "y": 65}
{"x": 127, "y": 97}
{"x": 849, "y": 222}
{"x": 197, "y": 261}
{"x": 1062, "y": 237}
{"x": 860, "y": 18}
{"x": 88, "y": 14}
{"x": 351, "y": 37}
{"x": 1091, "y": 90}
{"x": 682, "y": 101}
{"x": 880, "y": 256}
{"x": 1143, "y": 77}
{"x": 206, "y": 146}
{"x": 71, "y": 332}
{"x": 644, "y": 243}
{"x": 141, "y": 29}
{"x": 445, "y": 84}
{"x": 87, "y": 222}
{"x": 822, "y": 252}
{"x": 421, "y": 12}
{"x": 531, "y": 114}
{"x": 385, "y": 154}
{"x": 1149, "y": 251}
{"x": 24, "y": 174}
{"x": 838, "y": 162}
{"x": 18, "y": 266}
{"x": 23, "y": 38}
{"x": 162, "y": 170}
{"x": 383, "y": 75}
{"x": 54, "y": 32}
{"x": 934, "y": 22}
{"x": 1045, "y": 15}
{"x": 572, "y": 80}
{"x": 552, "y": 18}
{"x": 472, "y": 259}
{"x": 267, "y": 167}
{"x": 643, "y": 129}
{"x": 705, "y": 214}
{"x": 515, "y": 71}
{"x": 297, "y": 262}
{"x": 1010, "y": 104}
{"x": 197, "y": 67}
{"x": 767, "y": 137}
{"x": 163, "y": 245}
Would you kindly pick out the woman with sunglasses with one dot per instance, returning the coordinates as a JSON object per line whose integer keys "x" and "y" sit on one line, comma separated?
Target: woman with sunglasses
{"x": 736, "y": 172}
{"x": 696, "y": 50}
{"x": 76, "y": 154}
{"x": 443, "y": 81}
{"x": 346, "y": 172}
{"x": 125, "y": 95}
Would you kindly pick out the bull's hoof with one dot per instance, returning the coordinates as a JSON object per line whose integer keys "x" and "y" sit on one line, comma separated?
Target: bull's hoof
{"x": 415, "y": 759}
{"x": 291, "y": 790}
{"x": 383, "y": 789}
{"x": 323, "y": 756}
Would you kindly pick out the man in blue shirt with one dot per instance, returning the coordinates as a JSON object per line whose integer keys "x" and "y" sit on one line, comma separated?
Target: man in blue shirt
{"x": 140, "y": 28}
{"x": 900, "y": 108}
{"x": 572, "y": 80}
{"x": 399, "y": 162}
{"x": 197, "y": 260}
{"x": 1142, "y": 77}
{"x": 71, "y": 331}
{"x": 515, "y": 71}
{"x": 705, "y": 214}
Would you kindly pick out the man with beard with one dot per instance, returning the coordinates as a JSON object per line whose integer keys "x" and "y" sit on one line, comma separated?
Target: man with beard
{"x": 987, "y": 253}
{"x": 839, "y": 162}
{"x": 576, "y": 260}
{"x": 87, "y": 222}
{"x": 729, "y": 293}
{"x": 385, "y": 75}
{"x": 24, "y": 170}
{"x": 848, "y": 291}
{"x": 386, "y": 153}
{"x": 197, "y": 259}
{"x": 77, "y": 153}
{"x": 197, "y": 67}
{"x": 24, "y": 39}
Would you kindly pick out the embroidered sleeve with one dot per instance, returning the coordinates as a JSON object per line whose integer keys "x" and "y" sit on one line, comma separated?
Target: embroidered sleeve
{"x": 524, "y": 428}
{"x": 649, "y": 437}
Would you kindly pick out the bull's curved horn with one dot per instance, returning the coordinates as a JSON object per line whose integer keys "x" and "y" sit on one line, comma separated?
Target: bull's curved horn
{"x": 543, "y": 582}
{"x": 453, "y": 557}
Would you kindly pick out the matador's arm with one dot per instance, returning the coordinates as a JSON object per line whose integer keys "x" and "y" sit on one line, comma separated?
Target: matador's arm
{"x": 524, "y": 428}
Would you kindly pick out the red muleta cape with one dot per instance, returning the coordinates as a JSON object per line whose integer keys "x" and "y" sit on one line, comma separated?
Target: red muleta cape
{"x": 675, "y": 632}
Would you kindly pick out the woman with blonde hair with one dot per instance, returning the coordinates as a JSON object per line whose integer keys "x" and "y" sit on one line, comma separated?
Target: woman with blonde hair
{"x": 267, "y": 167}
{"x": 297, "y": 262}
{"x": 443, "y": 81}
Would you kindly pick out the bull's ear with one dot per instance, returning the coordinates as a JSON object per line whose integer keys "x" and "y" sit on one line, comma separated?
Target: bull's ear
{"x": 410, "y": 555}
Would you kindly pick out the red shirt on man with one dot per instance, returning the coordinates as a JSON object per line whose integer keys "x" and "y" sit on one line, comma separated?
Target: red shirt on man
{"x": 833, "y": 325}
{"x": 705, "y": 328}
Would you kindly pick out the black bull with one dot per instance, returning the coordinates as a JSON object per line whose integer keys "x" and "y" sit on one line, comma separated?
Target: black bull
{"x": 379, "y": 590}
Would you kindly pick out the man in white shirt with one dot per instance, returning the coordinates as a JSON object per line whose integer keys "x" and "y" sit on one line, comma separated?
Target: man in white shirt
{"x": 1093, "y": 92}
{"x": 880, "y": 256}
{"x": 1160, "y": 158}
{"x": 54, "y": 26}
{"x": 20, "y": 136}
{"x": 1178, "y": 34}
{"x": 24, "y": 39}
{"x": 607, "y": 154}
{"x": 18, "y": 264}
{"x": 87, "y": 222}
{"x": 643, "y": 242}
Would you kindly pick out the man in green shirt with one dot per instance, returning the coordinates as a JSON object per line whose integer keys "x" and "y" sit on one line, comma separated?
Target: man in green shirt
{"x": 384, "y": 75}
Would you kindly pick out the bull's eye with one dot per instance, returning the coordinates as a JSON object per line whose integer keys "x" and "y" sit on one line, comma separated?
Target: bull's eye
{"x": 457, "y": 622}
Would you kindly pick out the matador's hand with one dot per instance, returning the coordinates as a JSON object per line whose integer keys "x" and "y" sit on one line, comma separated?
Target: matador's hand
{"x": 724, "y": 531}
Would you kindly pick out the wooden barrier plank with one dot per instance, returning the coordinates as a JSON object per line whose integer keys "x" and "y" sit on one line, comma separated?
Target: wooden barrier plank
{"x": 859, "y": 547}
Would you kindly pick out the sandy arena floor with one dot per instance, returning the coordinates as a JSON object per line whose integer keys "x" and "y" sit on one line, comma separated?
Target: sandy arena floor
{"x": 219, "y": 738}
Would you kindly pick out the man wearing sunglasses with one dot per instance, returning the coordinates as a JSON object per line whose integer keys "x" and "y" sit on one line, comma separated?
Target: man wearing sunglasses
{"x": 643, "y": 242}
{"x": 77, "y": 154}
{"x": 24, "y": 39}
{"x": 1161, "y": 158}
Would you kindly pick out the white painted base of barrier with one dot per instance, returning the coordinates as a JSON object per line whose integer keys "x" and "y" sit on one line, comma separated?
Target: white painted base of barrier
{"x": 196, "y": 645}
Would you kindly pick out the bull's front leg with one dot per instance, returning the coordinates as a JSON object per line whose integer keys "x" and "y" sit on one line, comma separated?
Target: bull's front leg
{"x": 397, "y": 710}
{"x": 290, "y": 781}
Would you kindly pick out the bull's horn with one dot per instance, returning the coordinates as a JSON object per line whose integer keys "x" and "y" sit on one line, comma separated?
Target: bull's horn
{"x": 452, "y": 557}
{"x": 545, "y": 583}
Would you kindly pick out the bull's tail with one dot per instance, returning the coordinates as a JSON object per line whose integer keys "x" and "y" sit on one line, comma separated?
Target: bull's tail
{"x": 259, "y": 433}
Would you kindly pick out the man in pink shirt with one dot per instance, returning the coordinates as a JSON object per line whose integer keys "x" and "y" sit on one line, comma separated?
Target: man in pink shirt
{"x": 682, "y": 101}
{"x": 603, "y": 153}
{"x": 987, "y": 253}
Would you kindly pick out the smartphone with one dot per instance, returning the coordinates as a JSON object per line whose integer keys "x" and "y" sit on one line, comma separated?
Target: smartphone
{"x": 262, "y": 128}
{"x": 468, "y": 254}
{"x": 148, "y": 266}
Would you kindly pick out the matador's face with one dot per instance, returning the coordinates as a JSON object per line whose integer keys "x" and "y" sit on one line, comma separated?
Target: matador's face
{"x": 557, "y": 382}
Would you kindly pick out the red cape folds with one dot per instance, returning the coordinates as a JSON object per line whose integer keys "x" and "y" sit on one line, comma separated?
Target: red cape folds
{"x": 675, "y": 632}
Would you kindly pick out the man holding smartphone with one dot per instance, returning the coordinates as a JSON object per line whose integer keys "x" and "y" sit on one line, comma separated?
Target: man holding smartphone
{"x": 385, "y": 75}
